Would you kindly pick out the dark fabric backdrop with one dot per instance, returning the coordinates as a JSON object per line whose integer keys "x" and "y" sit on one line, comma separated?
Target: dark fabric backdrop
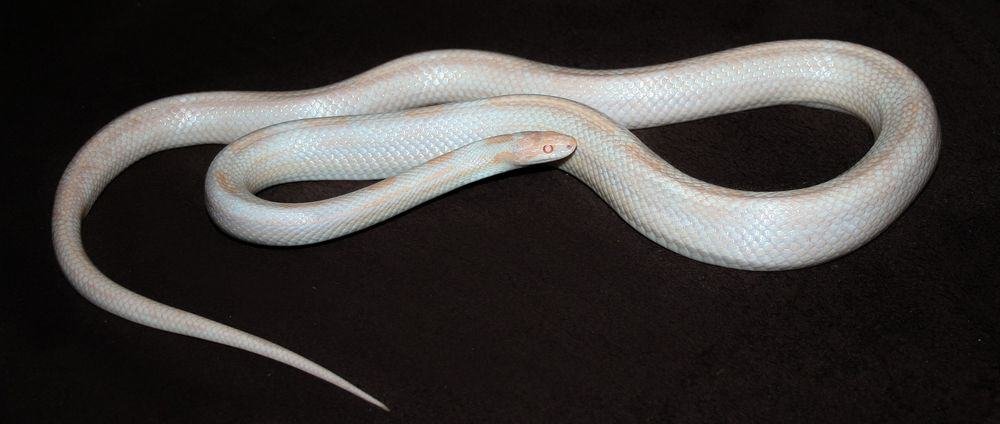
{"x": 522, "y": 298}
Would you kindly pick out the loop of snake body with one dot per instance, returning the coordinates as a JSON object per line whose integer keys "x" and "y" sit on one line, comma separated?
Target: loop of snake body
{"x": 490, "y": 113}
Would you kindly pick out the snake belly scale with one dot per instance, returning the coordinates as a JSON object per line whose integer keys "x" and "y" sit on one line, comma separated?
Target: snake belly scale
{"x": 430, "y": 122}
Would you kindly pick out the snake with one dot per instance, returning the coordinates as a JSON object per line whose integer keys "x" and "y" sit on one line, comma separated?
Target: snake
{"x": 430, "y": 122}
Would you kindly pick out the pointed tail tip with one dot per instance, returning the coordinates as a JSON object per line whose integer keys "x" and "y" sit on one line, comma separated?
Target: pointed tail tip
{"x": 382, "y": 405}
{"x": 352, "y": 389}
{"x": 371, "y": 399}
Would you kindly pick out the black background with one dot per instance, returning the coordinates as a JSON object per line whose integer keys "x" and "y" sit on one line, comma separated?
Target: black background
{"x": 520, "y": 298}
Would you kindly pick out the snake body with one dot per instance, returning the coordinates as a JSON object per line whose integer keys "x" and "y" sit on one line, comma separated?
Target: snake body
{"x": 430, "y": 122}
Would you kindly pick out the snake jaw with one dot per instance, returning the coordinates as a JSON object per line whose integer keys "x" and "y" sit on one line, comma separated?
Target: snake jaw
{"x": 535, "y": 147}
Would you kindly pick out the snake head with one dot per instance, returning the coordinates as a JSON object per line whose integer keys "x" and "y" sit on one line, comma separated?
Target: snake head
{"x": 534, "y": 147}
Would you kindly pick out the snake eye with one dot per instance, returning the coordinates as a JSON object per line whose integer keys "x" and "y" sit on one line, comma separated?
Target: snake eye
{"x": 547, "y": 148}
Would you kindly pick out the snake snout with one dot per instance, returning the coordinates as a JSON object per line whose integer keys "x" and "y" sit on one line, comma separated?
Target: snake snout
{"x": 542, "y": 146}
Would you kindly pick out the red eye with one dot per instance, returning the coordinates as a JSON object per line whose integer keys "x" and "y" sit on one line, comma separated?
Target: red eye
{"x": 547, "y": 148}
